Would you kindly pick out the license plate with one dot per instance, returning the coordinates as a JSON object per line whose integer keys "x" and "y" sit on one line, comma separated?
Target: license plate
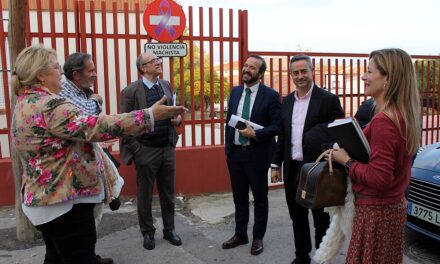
{"x": 424, "y": 213}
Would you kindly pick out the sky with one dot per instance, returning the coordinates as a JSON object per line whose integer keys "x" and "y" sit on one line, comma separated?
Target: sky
{"x": 349, "y": 26}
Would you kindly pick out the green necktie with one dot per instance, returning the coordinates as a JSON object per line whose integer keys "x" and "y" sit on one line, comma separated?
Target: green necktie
{"x": 245, "y": 113}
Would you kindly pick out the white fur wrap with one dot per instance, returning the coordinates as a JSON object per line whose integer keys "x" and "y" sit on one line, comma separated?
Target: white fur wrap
{"x": 341, "y": 226}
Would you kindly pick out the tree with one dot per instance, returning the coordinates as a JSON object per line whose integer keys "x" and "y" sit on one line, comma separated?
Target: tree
{"x": 17, "y": 13}
{"x": 197, "y": 85}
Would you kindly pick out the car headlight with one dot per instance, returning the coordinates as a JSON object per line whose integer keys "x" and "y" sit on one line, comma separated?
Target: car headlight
{"x": 420, "y": 150}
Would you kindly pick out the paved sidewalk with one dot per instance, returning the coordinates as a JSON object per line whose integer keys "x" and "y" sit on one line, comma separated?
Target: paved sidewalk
{"x": 203, "y": 222}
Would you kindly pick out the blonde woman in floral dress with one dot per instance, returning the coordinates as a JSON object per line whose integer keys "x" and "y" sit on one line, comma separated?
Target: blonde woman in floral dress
{"x": 52, "y": 138}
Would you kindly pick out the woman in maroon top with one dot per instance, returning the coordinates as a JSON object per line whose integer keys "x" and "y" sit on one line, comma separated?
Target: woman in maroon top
{"x": 394, "y": 135}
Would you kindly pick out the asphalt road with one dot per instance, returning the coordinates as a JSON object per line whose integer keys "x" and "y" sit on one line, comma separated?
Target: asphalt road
{"x": 203, "y": 222}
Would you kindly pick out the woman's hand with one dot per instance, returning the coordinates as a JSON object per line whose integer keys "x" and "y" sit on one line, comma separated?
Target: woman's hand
{"x": 162, "y": 111}
{"x": 340, "y": 156}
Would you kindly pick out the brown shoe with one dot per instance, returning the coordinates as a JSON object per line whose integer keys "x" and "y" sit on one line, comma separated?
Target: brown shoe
{"x": 235, "y": 241}
{"x": 257, "y": 247}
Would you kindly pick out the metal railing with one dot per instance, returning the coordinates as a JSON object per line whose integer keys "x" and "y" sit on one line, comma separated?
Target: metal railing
{"x": 217, "y": 45}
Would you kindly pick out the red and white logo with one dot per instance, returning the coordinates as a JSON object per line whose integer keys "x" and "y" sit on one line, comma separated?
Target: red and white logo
{"x": 164, "y": 20}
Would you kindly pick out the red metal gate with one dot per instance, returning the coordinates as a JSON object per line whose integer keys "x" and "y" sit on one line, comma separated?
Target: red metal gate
{"x": 340, "y": 73}
{"x": 218, "y": 45}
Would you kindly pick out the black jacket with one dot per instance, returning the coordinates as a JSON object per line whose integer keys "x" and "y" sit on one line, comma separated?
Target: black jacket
{"x": 324, "y": 107}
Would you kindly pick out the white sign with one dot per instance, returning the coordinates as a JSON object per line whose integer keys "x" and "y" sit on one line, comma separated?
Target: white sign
{"x": 424, "y": 213}
{"x": 167, "y": 49}
{"x": 173, "y": 20}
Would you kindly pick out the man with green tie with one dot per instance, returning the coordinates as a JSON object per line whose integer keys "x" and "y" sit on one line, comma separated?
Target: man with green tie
{"x": 249, "y": 151}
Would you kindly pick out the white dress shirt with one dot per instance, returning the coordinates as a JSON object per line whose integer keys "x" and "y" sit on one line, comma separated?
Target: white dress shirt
{"x": 299, "y": 113}
{"x": 254, "y": 90}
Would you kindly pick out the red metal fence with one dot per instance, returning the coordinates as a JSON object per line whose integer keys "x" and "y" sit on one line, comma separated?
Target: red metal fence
{"x": 115, "y": 38}
{"x": 340, "y": 73}
{"x": 58, "y": 4}
{"x": 217, "y": 42}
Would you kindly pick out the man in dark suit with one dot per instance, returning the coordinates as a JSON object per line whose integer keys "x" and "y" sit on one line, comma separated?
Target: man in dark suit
{"x": 365, "y": 112}
{"x": 249, "y": 151}
{"x": 153, "y": 153}
{"x": 305, "y": 114}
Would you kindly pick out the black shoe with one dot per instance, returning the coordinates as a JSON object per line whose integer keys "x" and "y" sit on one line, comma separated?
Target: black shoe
{"x": 115, "y": 204}
{"x": 301, "y": 261}
{"x": 235, "y": 241}
{"x": 172, "y": 237}
{"x": 257, "y": 247}
{"x": 149, "y": 241}
{"x": 100, "y": 260}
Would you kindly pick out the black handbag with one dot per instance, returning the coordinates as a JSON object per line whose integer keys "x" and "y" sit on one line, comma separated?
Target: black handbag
{"x": 322, "y": 183}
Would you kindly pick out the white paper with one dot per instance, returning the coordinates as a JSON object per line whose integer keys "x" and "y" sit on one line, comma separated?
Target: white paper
{"x": 234, "y": 119}
{"x": 174, "y": 99}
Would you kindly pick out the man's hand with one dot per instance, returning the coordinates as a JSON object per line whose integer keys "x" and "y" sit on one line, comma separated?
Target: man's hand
{"x": 275, "y": 175}
{"x": 161, "y": 111}
{"x": 97, "y": 97}
{"x": 248, "y": 132}
{"x": 176, "y": 121}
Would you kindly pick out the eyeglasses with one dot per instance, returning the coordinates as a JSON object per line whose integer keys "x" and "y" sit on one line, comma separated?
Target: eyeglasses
{"x": 154, "y": 61}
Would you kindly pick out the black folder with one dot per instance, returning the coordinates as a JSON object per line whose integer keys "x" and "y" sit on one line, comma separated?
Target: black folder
{"x": 349, "y": 136}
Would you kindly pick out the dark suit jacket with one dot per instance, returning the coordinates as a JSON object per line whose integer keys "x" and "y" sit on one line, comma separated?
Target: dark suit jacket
{"x": 324, "y": 107}
{"x": 365, "y": 112}
{"x": 265, "y": 112}
{"x": 133, "y": 97}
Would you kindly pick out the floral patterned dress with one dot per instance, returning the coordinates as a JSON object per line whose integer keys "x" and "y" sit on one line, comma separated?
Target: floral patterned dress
{"x": 53, "y": 139}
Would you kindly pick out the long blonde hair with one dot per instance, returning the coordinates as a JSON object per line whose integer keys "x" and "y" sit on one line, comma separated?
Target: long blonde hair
{"x": 31, "y": 62}
{"x": 402, "y": 93}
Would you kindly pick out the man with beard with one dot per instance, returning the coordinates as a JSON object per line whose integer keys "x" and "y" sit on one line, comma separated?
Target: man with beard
{"x": 249, "y": 151}
{"x": 305, "y": 114}
{"x": 80, "y": 73}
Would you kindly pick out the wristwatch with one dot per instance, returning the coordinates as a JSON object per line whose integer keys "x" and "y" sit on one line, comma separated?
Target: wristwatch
{"x": 348, "y": 164}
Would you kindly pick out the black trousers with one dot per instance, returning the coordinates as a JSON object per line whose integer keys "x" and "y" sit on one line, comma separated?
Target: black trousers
{"x": 300, "y": 216}
{"x": 155, "y": 164}
{"x": 244, "y": 173}
{"x": 71, "y": 238}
